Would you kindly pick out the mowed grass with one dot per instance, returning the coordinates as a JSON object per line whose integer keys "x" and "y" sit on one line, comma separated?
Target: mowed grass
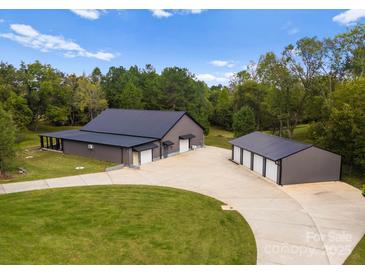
{"x": 219, "y": 138}
{"x": 46, "y": 164}
{"x": 357, "y": 256}
{"x": 121, "y": 225}
{"x": 300, "y": 133}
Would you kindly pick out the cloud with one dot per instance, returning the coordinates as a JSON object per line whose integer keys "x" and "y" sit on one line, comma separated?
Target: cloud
{"x": 196, "y": 11}
{"x": 229, "y": 75}
{"x": 29, "y": 37}
{"x": 206, "y": 77}
{"x": 88, "y": 14}
{"x": 293, "y": 31}
{"x": 210, "y": 78}
{"x": 166, "y": 14}
{"x": 2, "y": 20}
{"x": 349, "y": 17}
{"x": 290, "y": 28}
{"x": 222, "y": 63}
{"x": 161, "y": 13}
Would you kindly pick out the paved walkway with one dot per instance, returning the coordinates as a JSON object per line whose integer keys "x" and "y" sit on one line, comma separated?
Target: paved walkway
{"x": 318, "y": 223}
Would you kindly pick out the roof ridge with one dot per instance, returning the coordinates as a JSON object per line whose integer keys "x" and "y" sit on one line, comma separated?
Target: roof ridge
{"x": 282, "y": 138}
{"x": 156, "y": 110}
{"x": 119, "y": 134}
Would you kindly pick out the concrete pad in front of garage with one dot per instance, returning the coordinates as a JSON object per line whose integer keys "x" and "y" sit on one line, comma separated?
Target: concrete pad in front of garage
{"x": 338, "y": 210}
{"x": 69, "y": 181}
{"x": 25, "y": 186}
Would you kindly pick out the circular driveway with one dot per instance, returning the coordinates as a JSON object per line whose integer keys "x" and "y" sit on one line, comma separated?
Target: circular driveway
{"x": 317, "y": 223}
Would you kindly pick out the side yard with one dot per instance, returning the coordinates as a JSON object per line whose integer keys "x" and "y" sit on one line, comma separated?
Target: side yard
{"x": 45, "y": 164}
{"x": 357, "y": 256}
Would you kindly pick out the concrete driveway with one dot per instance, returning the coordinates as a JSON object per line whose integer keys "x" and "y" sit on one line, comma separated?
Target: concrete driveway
{"x": 318, "y": 223}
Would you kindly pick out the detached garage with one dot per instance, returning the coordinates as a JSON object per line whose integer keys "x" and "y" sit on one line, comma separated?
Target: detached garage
{"x": 285, "y": 161}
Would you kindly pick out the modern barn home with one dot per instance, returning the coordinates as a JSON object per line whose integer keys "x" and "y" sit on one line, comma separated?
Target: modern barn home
{"x": 130, "y": 137}
{"x": 285, "y": 161}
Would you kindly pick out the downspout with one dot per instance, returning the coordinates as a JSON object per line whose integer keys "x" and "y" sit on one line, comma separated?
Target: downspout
{"x": 241, "y": 156}
{"x": 340, "y": 168}
{"x": 280, "y": 171}
{"x": 251, "y": 164}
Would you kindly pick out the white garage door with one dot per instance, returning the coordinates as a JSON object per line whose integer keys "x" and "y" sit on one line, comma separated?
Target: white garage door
{"x": 146, "y": 156}
{"x": 258, "y": 163}
{"x": 271, "y": 170}
{"x": 246, "y": 158}
{"x": 184, "y": 145}
{"x": 237, "y": 154}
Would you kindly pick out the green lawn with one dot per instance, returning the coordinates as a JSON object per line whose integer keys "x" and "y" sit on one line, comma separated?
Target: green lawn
{"x": 121, "y": 225}
{"x": 219, "y": 138}
{"x": 45, "y": 164}
{"x": 358, "y": 254}
{"x": 300, "y": 133}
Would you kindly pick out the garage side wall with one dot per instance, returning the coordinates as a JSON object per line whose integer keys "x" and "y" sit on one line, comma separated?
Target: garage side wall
{"x": 184, "y": 126}
{"x": 156, "y": 151}
{"x": 311, "y": 165}
{"x": 100, "y": 152}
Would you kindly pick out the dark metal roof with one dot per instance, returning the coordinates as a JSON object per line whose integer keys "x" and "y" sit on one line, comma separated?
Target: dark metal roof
{"x": 145, "y": 147}
{"x": 99, "y": 138}
{"x": 269, "y": 146}
{"x": 167, "y": 143}
{"x": 187, "y": 136}
{"x": 144, "y": 123}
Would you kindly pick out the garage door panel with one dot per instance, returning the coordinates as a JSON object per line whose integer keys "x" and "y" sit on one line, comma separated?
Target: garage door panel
{"x": 271, "y": 170}
{"x": 246, "y": 158}
{"x": 184, "y": 145}
{"x": 258, "y": 163}
{"x": 237, "y": 154}
{"x": 146, "y": 156}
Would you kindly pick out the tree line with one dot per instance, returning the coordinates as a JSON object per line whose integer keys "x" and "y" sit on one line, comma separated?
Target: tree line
{"x": 316, "y": 81}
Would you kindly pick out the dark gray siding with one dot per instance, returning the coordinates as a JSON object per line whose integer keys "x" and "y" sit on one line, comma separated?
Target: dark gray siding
{"x": 311, "y": 165}
{"x": 156, "y": 151}
{"x": 100, "y": 152}
{"x": 184, "y": 126}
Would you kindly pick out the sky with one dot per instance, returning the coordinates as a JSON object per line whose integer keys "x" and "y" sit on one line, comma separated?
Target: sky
{"x": 212, "y": 44}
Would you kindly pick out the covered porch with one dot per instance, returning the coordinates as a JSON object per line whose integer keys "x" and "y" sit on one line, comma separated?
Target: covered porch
{"x": 52, "y": 143}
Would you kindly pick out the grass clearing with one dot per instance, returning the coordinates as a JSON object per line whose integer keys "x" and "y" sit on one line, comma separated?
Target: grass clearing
{"x": 357, "y": 256}
{"x": 121, "y": 225}
{"x": 47, "y": 164}
{"x": 219, "y": 138}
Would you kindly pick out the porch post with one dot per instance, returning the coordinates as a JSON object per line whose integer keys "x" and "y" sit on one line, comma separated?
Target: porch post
{"x": 130, "y": 157}
{"x": 42, "y": 142}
